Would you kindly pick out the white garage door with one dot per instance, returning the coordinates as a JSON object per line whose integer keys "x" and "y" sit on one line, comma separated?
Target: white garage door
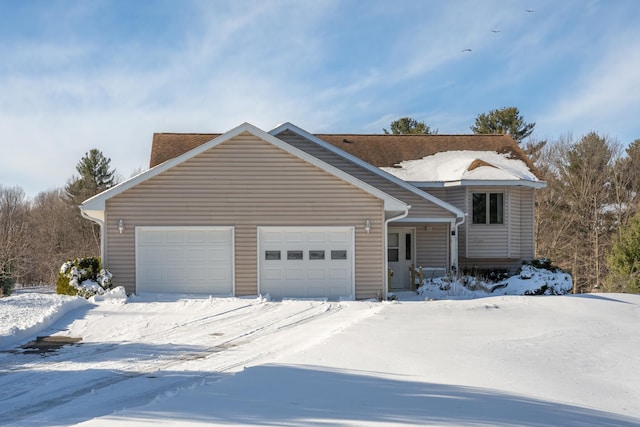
{"x": 307, "y": 262}
{"x": 196, "y": 260}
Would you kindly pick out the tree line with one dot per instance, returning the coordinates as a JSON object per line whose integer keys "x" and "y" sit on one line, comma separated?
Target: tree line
{"x": 587, "y": 218}
{"x": 37, "y": 236}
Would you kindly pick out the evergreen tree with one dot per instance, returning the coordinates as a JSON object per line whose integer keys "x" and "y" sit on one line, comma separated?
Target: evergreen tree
{"x": 94, "y": 177}
{"x": 409, "y": 126}
{"x": 624, "y": 260}
{"x": 506, "y": 120}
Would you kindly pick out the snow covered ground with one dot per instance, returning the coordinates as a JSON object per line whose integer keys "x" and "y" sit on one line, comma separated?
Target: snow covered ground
{"x": 177, "y": 360}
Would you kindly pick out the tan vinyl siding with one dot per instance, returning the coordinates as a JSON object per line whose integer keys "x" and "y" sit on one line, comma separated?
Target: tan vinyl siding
{"x": 432, "y": 245}
{"x": 487, "y": 240}
{"x": 515, "y": 223}
{"x": 456, "y": 196}
{"x": 420, "y": 208}
{"x": 246, "y": 182}
{"x": 527, "y": 213}
{"x": 500, "y": 245}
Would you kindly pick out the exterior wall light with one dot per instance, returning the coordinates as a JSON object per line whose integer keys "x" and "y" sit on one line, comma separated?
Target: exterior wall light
{"x": 367, "y": 226}
{"x": 120, "y": 226}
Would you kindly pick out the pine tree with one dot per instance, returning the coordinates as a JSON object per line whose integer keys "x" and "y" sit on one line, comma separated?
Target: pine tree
{"x": 94, "y": 177}
{"x": 624, "y": 260}
{"x": 409, "y": 126}
{"x": 506, "y": 120}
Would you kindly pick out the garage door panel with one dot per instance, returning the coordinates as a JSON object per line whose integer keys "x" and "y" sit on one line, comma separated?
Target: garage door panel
{"x": 153, "y": 255}
{"x": 294, "y": 274}
{"x": 316, "y": 237}
{"x": 272, "y": 237}
{"x": 272, "y": 274}
{"x": 184, "y": 260}
{"x": 338, "y": 237}
{"x": 198, "y": 274}
{"x": 338, "y": 274}
{"x": 193, "y": 237}
{"x": 316, "y": 274}
{"x": 294, "y": 237}
{"x": 173, "y": 254}
{"x": 174, "y": 236}
{"x": 193, "y": 256}
{"x": 148, "y": 238}
{"x": 175, "y": 275}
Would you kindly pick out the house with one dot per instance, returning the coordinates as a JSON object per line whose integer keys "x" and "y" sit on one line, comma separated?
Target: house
{"x": 291, "y": 214}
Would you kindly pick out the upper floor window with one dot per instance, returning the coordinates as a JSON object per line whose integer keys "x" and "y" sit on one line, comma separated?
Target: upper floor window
{"x": 488, "y": 208}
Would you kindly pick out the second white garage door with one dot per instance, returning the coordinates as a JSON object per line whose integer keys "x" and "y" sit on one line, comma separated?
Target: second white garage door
{"x": 196, "y": 260}
{"x": 307, "y": 262}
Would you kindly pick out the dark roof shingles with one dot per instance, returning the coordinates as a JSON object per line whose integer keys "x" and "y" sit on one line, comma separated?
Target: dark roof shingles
{"x": 379, "y": 150}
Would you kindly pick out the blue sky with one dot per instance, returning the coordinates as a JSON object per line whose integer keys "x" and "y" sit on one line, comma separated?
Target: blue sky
{"x": 77, "y": 75}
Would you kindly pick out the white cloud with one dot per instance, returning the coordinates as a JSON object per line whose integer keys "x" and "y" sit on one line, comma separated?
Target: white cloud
{"x": 606, "y": 96}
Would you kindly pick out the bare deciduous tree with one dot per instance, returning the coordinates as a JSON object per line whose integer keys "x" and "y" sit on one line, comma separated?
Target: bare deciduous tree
{"x": 55, "y": 236}
{"x": 14, "y": 233}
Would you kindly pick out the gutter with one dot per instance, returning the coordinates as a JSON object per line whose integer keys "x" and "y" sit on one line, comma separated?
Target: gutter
{"x": 385, "y": 269}
{"x": 454, "y": 243}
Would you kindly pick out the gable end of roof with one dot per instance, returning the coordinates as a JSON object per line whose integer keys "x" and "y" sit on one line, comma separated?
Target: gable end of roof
{"x": 98, "y": 202}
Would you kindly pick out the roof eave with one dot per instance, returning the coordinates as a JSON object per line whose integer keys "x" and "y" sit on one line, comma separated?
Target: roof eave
{"x": 480, "y": 183}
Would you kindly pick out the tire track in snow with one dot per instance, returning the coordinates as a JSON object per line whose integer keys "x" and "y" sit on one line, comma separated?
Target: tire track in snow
{"x": 140, "y": 370}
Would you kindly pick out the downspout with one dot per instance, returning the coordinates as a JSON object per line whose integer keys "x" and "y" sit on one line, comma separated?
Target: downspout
{"x": 386, "y": 252}
{"x": 101, "y": 224}
{"x": 454, "y": 243}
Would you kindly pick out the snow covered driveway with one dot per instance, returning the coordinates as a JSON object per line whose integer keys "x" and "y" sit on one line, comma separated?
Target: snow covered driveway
{"x": 500, "y": 361}
{"x": 131, "y": 353}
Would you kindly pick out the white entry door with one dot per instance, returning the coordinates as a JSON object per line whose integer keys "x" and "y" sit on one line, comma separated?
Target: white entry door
{"x": 306, "y": 262}
{"x": 400, "y": 256}
{"x": 196, "y": 260}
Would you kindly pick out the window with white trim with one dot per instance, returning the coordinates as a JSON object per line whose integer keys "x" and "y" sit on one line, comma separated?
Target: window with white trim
{"x": 488, "y": 208}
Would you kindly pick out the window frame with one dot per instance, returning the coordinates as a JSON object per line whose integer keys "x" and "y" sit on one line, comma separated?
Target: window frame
{"x": 493, "y": 212}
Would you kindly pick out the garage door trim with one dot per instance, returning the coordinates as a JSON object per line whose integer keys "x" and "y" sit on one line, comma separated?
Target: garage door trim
{"x": 140, "y": 229}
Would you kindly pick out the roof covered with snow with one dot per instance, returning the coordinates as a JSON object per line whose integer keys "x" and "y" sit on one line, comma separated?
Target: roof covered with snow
{"x": 442, "y": 158}
{"x": 464, "y": 165}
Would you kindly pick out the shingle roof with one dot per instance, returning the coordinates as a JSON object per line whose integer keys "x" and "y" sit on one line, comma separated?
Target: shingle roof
{"x": 390, "y": 150}
{"x": 166, "y": 146}
{"x": 379, "y": 150}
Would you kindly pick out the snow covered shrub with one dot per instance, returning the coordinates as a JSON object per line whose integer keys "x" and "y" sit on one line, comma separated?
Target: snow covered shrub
{"x": 532, "y": 279}
{"x": 543, "y": 263}
{"x": 486, "y": 275}
{"x": 83, "y": 277}
{"x": 545, "y": 278}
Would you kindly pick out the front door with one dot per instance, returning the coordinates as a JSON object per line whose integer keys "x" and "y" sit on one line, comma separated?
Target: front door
{"x": 400, "y": 255}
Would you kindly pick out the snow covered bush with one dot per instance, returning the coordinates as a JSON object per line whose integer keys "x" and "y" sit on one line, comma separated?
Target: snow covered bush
{"x": 539, "y": 277}
{"x": 83, "y": 277}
